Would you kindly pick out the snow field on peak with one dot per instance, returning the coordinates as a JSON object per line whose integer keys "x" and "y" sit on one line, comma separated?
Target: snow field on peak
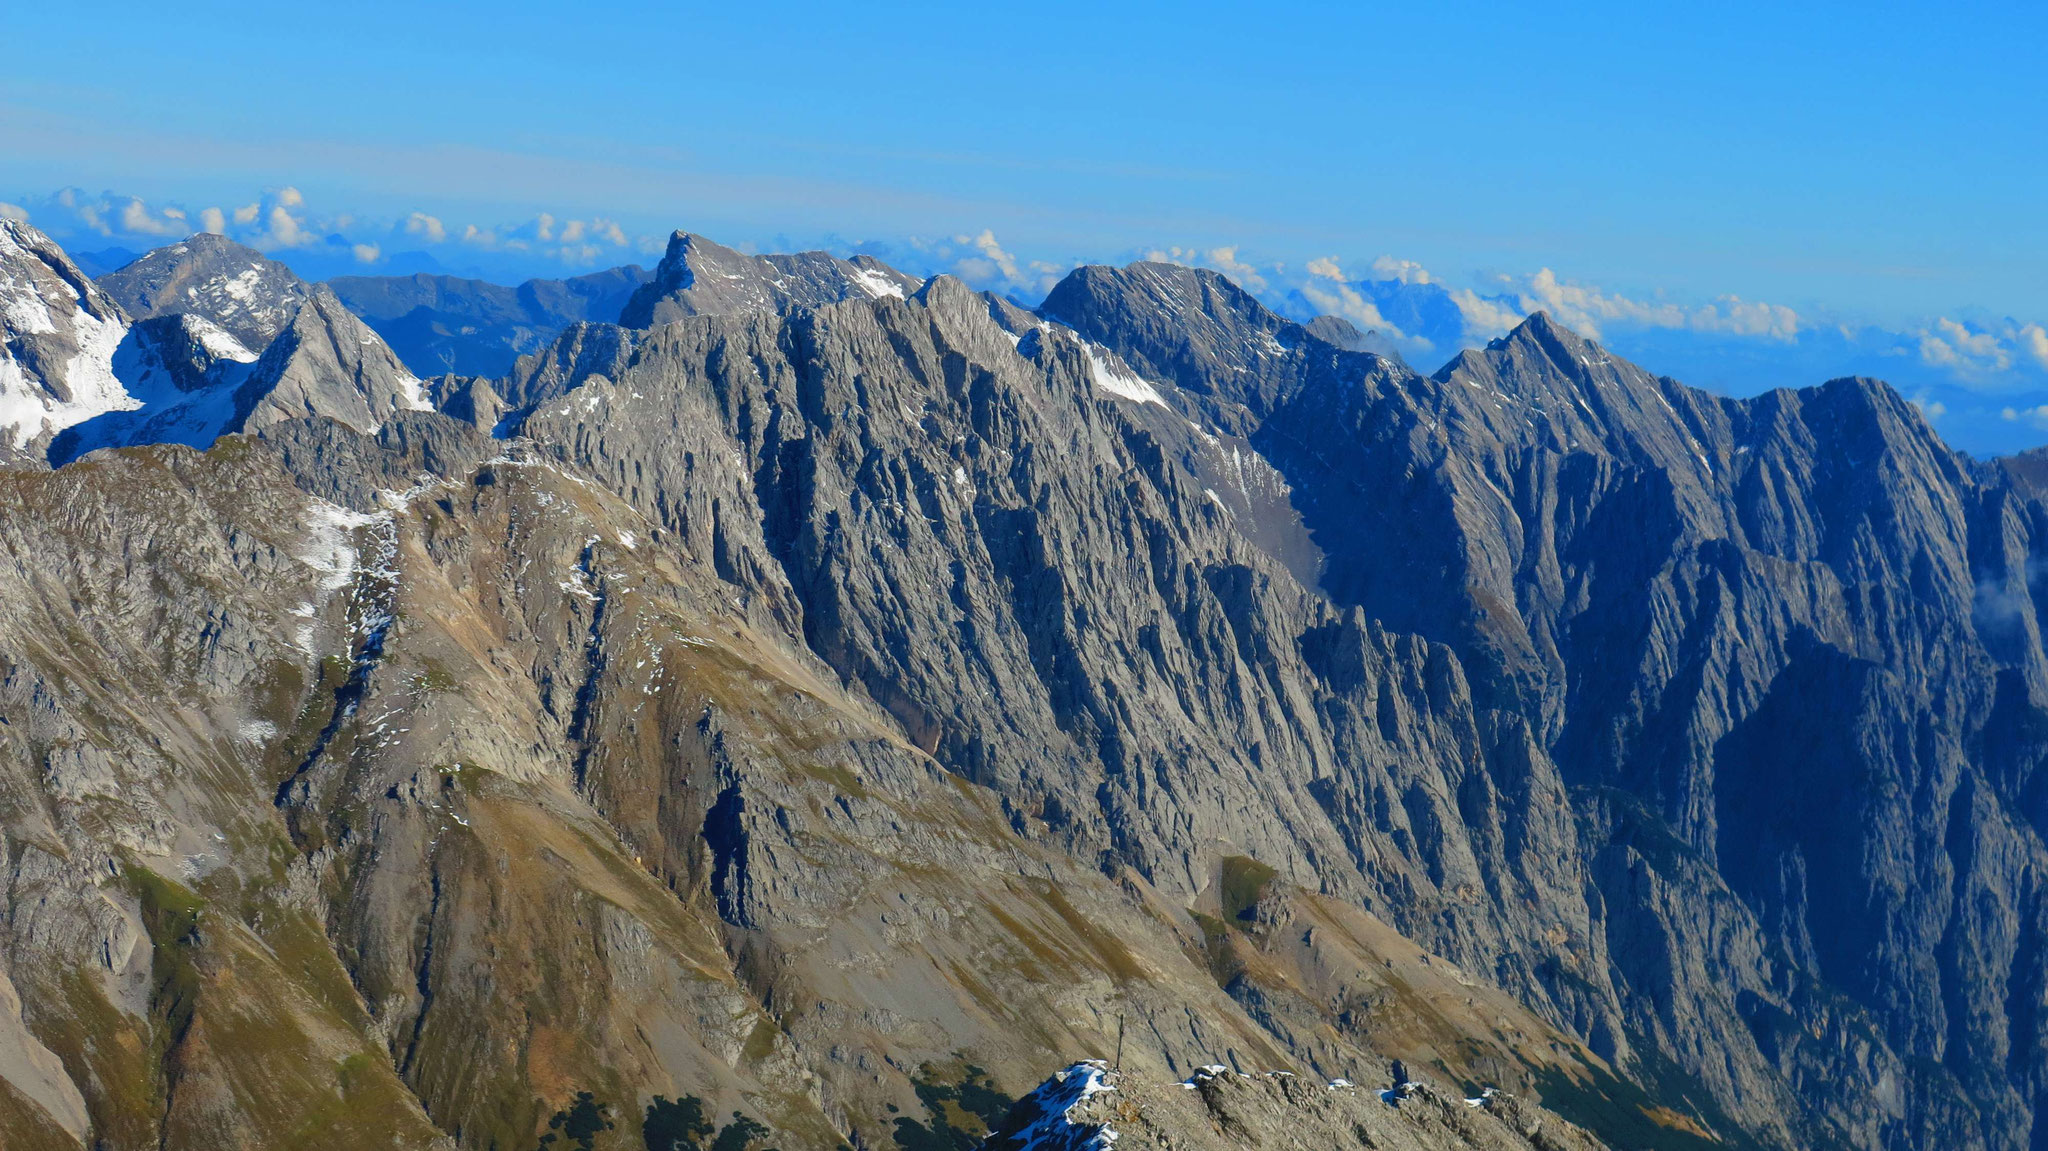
{"x": 1119, "y": 381}
{"x": 876, "y": 284}
{"x": 27, "y": 409}
{"x": 218, "y": 343}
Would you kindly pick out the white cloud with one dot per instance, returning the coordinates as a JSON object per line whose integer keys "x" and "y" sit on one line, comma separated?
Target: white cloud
{"x": 2035, "y": 416}
{"x": 1587, "y": 309}
{"x": 213, "y": 220}
{"x": 285, "y": 229}
{"x": 1224, "y": 260}
{"x": 1949, "y": 344}
{"x": 421, "y": 224}
{"x": 13, "y": 212}
{"x": 1406, "y": 271}
{"x": 246, "y": 214}
{"x": 993, "y": 253}
{"x": 1738, "y": 317}
{"x": 2033, "y": 340}
{"x": 984, "y": 263}
{"x": 1485, "y": 318}
{"x": 366, "y": 253}
{"x": 1328, "y": 289}
{"x": 136, "y": 217}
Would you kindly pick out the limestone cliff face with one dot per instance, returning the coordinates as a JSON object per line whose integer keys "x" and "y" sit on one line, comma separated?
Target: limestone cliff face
{"x": 478, "y": 792}
{"x": 844, "y": 705}
{"x": 1781, "y": 650}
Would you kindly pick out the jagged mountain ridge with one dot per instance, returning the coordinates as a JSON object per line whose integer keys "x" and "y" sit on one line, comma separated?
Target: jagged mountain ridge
{"x": 215, "y": 338}
{"x": 1730, "y": 560}
{"x": 699, "y": 277}
{"x": 1217, "y": 590}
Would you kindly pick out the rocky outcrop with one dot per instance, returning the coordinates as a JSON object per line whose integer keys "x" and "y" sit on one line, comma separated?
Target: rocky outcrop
{"x": 1089, "y": 1107}
{"x": 698, "y": 277}
{"x": 326, "y": 362}
{"x": 1665, "y": 586}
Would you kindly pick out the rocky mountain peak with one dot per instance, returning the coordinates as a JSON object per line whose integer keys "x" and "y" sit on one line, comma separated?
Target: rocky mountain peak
{"x": 238, "y": 289}
{"x": 327, "y": 362}
{"x": 1192, "y": 326}
{"x": 698, "y": 277}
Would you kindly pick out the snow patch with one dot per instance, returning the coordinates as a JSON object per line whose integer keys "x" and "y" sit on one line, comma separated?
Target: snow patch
{"x": 28, "y": 407}
{"x": 219, "y": 344}
{"x": 1052, "y": 1130}
{"x": 412, "y": 396}
{"x": 876, "y": 284}
{"x": 329, "y": 547}
{"x": 243, "y": 287}
{"x": 1112, "y": 377}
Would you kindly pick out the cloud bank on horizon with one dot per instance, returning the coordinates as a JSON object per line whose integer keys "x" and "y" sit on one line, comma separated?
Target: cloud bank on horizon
{"x": 1983, "y": 382}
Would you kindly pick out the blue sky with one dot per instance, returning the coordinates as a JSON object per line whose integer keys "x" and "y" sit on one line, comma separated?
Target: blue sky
{"x": 1874, "y": 169}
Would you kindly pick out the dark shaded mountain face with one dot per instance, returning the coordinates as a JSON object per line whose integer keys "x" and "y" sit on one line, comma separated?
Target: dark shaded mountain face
{"x": 840, "y": 708}
{"x": 446, "y": 324}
